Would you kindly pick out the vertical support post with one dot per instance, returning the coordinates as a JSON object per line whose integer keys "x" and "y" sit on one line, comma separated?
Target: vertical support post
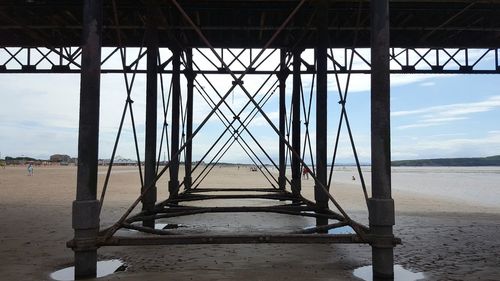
{"x": 85, "y": 218}
{"x": 149, "y": 198}
{"x": 296, "y": 173}
{"x": 173, "y": 184}
{"x": 282, "y": 111}
{"x": 381, "y": 205}
{"x": 190, "y": 75}
{"x": 321, "y": 108}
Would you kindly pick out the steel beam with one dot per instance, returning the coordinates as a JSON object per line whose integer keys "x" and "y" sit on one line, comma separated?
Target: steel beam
{"x": 282, "y": 121}
{"x": 173, "y": 184}
{"x": 295, "y": 163}
{"x": 321, "y": 109}
{"x": 149, "y": 198}
{"x": 190, "y": 76}
{"x": 233, "y": 239}
{"x": 26, "y": 60}
{"x": 381, "y": 205}
{"x": 86, "y": 207}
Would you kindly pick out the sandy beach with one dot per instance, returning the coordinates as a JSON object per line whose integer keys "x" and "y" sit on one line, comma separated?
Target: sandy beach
{"x": 445, "y": 238}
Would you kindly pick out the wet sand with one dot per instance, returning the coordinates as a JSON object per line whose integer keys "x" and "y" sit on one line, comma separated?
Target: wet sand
{"x": 444, "y": 239}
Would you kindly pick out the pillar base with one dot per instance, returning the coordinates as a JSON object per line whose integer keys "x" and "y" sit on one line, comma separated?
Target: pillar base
{"x": 86, "y": 226}
{"x": 148, "y": 203}
{"x": 188, "y": 182}
{"x": 173, "y": 188}
{"x": 296, "y": 186}
{"x": 383, "y": 263}
{"x": 282, "y": 183}
{"x": 381, "y": 217}
{"x": 149, "y": 223}
{"x": 321, "y": 222}
{"x": 85, "y": 264}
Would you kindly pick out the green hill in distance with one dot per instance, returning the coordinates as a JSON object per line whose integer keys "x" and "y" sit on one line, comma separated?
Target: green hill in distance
{"x": 476, "y": 161}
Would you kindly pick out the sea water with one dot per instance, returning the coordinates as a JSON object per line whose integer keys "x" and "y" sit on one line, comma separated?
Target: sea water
{"x": 365, "y": 273}
{"x": 104, "y": 268}
{"x": 473, "y": 185}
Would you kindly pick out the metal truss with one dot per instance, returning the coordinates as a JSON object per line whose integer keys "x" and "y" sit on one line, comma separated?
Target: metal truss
{"x": 173, "y": 207}
{"x": 196, "y": 64}
{"x": 403, "y": 60}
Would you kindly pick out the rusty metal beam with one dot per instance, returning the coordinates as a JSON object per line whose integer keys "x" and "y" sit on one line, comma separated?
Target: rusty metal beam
{"x": 149, "y": 199}
{"x": 282, "y": 75}
{"x": 321, "y": 108}
{"x": 190, "y": 76}
{"x": 86, "y": 206}
{"x": 234, "y": 239}
{"x": 295, "y": 111}
{"x": 381, "y": 205}
{"x": 173, "y": 184}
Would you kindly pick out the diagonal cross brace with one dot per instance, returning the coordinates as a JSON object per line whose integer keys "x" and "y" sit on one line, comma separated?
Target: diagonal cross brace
{"x": 112, "y": 230}
{"x": 237, "y": 81}
{"x": 236, "y": 135}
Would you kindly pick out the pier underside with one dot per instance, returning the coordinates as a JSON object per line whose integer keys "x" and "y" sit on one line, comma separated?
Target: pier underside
{"x": 178, "y": 45}
{"x": 226, "y": 200}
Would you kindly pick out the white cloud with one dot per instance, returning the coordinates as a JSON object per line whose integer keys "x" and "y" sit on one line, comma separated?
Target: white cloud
{"x": 454, "y": 147}
{"x": 428, "y": 84}
{"x": 44, "y": 108}
{"x": 455, "y": 109}
{"x": 442, "y": 114}
{"x": 259, "y": 120}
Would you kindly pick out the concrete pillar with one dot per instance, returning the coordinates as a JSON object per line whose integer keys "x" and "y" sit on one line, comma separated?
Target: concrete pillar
{"x": 296, "y": 172}
{"x": 381, "y": 205}
{"x": 173, "y": 184}
{"x": 149, "y": 198}
{"x": 86, "y": 207}
{"x": 321, "y": 108}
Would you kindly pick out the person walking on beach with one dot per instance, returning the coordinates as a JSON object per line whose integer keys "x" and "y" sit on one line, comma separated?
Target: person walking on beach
{"x": 305, "y": 173}
{"x": 30, "y": 170}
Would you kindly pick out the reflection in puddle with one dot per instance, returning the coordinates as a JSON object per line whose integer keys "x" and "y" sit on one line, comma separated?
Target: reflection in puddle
{"x": 168, "y": 225}
{"x": 104, "y": 268}
{"x": 400, "y": 273}
{"x": 163, "y": 226}
{"x": 339, "y": 230}
{"x": 342, "y": 230}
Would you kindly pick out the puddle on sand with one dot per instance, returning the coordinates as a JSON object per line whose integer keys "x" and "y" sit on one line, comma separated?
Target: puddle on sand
{"x": 342, "y": 230}
{"x": 164, "y": 226}
{"x": 104, "y": 268}
{"x": 339, "y": 230}
{"x": 168, "y": 225}
{"x": 400, "y": 273}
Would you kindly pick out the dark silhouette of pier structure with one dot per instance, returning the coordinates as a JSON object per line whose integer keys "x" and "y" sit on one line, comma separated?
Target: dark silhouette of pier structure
{"x": 235, "y": 38}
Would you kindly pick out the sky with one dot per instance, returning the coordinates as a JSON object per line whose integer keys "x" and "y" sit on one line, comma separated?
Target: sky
{"x": 432, "y": 116}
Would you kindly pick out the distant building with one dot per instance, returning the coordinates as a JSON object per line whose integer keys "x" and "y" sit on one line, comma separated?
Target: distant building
{"x": 118, "y": 161}
{"x": 60, "y": 158}
{"x": 21, "y": 160}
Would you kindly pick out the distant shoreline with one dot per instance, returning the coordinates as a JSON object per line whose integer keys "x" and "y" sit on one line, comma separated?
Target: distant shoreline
{"x": 490, "y": 161}
{"x": 450, "y": 162}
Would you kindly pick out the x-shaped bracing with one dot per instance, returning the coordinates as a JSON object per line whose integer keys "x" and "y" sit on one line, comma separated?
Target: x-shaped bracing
{"x": 108, "y": 233}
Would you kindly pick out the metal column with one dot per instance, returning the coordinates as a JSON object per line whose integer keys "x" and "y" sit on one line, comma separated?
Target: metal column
{"x": 173, "y": 184}
{"x": 149, "y": 198}
{"x": 321, "y": 109}
{"x": 296, "y": 173}
{"x": 282, "y": 111}
{"x": 86, "y": 207}
{"x": 381, "y": 205}
{"x": 190, "y": 75}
